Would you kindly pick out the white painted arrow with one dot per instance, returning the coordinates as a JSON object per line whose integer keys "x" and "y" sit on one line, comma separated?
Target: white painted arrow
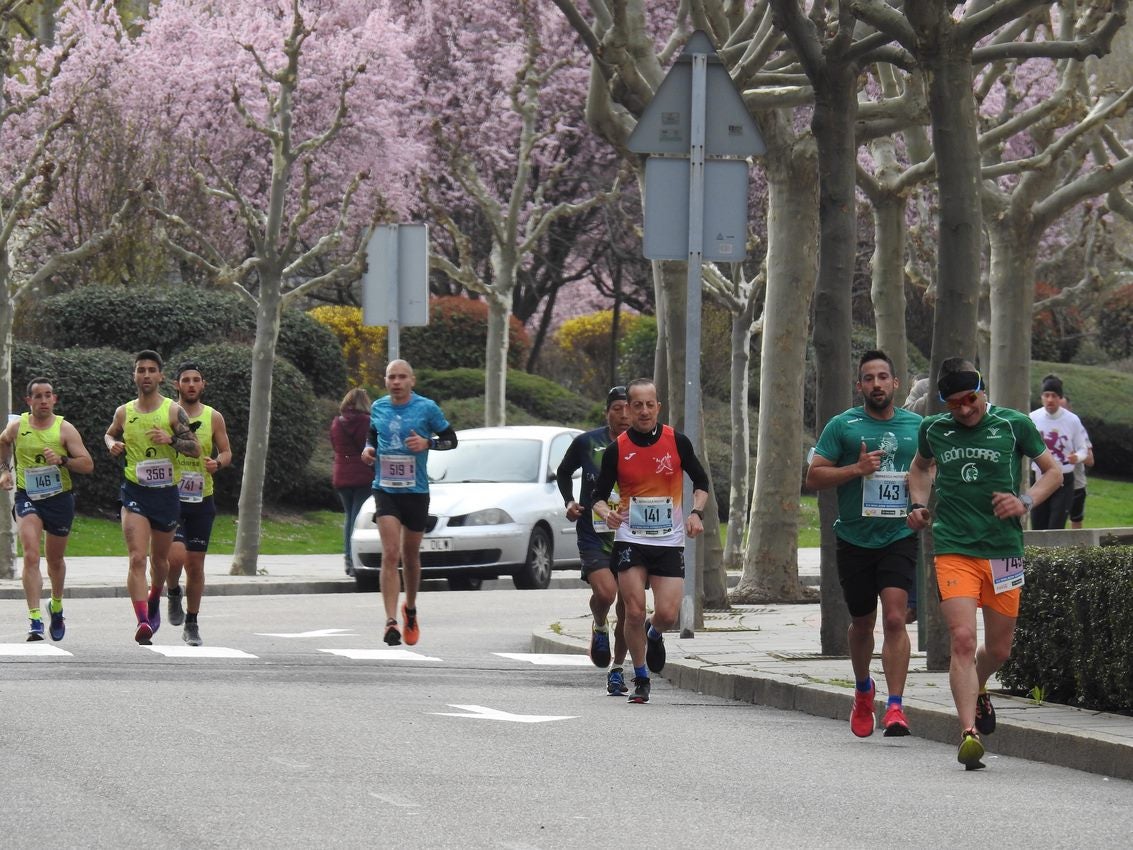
{"x": 480, "y": 712}
{"x": 311, "y": 634}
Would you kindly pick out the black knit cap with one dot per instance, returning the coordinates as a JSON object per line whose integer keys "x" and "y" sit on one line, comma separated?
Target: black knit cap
{"x": 1053, "y": 384}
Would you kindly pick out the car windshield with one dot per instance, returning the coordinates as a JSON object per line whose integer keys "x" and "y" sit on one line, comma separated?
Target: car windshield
{"x": 510, "y": 461}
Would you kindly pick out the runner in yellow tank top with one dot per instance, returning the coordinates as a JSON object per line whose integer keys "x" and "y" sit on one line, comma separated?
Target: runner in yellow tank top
{"x": 149, "y": 432}
{"x": 194, "y": 475}
{"x": 47, "y": 449}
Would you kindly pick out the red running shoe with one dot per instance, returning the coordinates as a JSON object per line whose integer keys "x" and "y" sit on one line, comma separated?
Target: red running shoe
{"x": 861, "y": 718}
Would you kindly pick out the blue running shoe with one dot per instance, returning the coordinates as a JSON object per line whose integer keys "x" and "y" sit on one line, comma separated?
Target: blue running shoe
{"x": 58, "y": 628}
{"x": 616, "y": 683}
{"x": 153, "y": 613}
{"x": 600, "y": 648}
{"x": 654, "y": 651}
{"x": 35, "y": 630}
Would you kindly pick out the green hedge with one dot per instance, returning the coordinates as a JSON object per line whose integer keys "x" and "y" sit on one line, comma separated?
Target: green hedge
{"x": 541, "y": 398}
{"x": 92, "y": 382}
{"x": 457, "y": 335}
{"x": 169, "y": 319}
{"x": 1075, "y": 629}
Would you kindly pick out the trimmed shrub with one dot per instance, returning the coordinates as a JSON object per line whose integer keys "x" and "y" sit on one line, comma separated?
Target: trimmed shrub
{"x": 457, "y": 335}
{"x": 227, "y": 369}
{"x": 1075, "y": 629}
{"x": 637, "y": 348}
{"x": 363, "y": 347}
{"x": 90, "y": 383}
{"x": 169, "y": 319}
{"x": 314, "y": 350}
{"x": 541, "y": 398}
{"x": 586, "y": 344}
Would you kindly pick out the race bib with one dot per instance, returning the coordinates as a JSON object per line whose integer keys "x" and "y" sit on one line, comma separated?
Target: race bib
{"x": 885, "y": 494}
{"x": 600, "y": 524}
{"x": 155, "y": 472}
{"x": 192, "y": 487}
{"x": 40, "y": 482}
{"x": 650, "y": 516}
{"x": 397, "y": 471}
{"x": 1006, "y": 573}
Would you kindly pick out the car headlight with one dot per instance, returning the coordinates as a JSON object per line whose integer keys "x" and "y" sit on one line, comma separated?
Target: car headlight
{"x": 488, "y": 516}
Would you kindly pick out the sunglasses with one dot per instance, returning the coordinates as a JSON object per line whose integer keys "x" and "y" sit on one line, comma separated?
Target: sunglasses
{"x": 964, "y": 401}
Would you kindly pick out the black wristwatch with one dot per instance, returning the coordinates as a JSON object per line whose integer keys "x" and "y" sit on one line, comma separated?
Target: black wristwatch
{"x": 698, "y": 512}
{"x": 916, "y": 505}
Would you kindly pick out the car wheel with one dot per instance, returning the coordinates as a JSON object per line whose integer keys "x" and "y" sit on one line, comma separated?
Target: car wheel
{"x": 465, "y": 582}
{"x": 535, "y": 574}
{"x": 367, "y": 582}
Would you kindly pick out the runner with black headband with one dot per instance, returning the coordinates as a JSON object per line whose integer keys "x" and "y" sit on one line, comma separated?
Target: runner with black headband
{"x": 977, "y": 531}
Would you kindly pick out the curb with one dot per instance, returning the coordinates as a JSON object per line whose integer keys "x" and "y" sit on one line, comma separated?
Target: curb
{"x": 1090, "y": 751}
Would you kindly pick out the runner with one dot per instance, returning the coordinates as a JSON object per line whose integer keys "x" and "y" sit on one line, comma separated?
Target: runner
{"x": 649, "y": 526}
{"x": 1065, "y": 436}
{"x": 403, "y": 427}
{"x": 194, "y": 481}
{"x": 865, "y": 452}
{"x": 149, "y": 432}
{"x": 1078, "y": 506}
{"x": 977, "y": 532}
{"x": 595, "y": 540}
{"x": 47, "y": 450}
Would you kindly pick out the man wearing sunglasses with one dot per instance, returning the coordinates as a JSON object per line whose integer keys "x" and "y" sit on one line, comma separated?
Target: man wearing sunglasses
{"x": 865, "y": 452}
{"x": 977, "y": 531}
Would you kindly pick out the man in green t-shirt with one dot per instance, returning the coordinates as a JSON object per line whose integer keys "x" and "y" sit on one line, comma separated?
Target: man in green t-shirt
{"x": 865, "y": 452}
{"x": 977, "y": 534}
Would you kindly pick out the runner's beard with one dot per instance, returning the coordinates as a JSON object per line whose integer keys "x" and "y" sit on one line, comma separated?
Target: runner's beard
{"x": 874, "y": 404}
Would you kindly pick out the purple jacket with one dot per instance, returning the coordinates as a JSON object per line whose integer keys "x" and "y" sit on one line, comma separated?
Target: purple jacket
{"x": 348, "y": 437}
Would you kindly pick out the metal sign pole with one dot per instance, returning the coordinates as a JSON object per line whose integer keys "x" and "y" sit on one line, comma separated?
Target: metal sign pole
{"x": 692, "y": 316}
{"x": 393, "y": 337}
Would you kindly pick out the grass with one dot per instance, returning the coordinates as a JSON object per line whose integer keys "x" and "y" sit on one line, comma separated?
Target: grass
{"x": 314, "y": 533}
{"x": 1109, "y": 505}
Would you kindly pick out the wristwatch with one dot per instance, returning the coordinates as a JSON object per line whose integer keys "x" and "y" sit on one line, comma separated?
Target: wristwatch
{"x": 698, "y": 512}
{"x": 916, "y": 506}
{"x": 1027, "y": 501}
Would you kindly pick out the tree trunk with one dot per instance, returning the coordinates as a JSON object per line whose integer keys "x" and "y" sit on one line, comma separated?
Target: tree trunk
{"x": 887, "y": 290}
{"x": 7, "y": 521}
{"x": 1012, "y": 294}
{"x": 495, "y": 372}
{"x": 834, "y": 115}
{"x": 771, "y": 570}
{"x": 250, "y": 510}
{"x": 739, "y": 477}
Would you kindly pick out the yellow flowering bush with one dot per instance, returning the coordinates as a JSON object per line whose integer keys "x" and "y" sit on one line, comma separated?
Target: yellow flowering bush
{"x": 363, "y": 348}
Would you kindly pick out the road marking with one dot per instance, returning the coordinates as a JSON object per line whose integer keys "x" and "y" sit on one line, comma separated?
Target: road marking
{"x": 480, "y": 712}
{"x": 548, "y": 659}
{"x": 314, "y": 633}
{"x": 392, "y": 802}
{"x": 381, "y": 654}
{"x": 199, "y": 652}
{"x": 34, "y": 648}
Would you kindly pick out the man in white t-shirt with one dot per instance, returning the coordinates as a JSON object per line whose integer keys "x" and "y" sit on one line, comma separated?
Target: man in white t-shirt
{"x": 1065, "y": 436}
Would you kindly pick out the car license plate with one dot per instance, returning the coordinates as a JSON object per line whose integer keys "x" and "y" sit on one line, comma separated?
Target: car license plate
{"x": 436, "y": 544}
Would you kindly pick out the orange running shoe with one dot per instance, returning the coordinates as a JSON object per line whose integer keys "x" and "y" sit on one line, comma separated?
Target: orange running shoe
{"x": 411, "y": 632}
{"x": 861, "y": 718}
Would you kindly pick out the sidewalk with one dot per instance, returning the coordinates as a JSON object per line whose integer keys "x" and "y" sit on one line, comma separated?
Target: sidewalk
{"x": 770, "y": 655}
{"x": 767, "y": 655}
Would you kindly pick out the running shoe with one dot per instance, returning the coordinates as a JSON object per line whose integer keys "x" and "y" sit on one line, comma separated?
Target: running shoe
{"x": 412, "y": 630}
{"x": 153, "y": 612}
{"x": 176, "y": 610}
{"x": 616, "y": 683}
{"x": 191, "y": 634}
{"x": 35, "y": 630}
{"x": 600, "y": 648}
{"x": 971, "y": 751}
{"x": 640, "y": 690}
{"x": 654, "y": 651}
{"x": 393, "y": 636}
{"x": 144, "y": 634}
{"x": 896, "y": 726}
{"x": 58, "y": 628}
{"x": 861, "y": 717}
{"x": 985, "y": 714}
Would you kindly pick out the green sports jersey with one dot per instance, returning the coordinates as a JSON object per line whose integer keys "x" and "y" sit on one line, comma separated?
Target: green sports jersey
{"x": 841, "y": 443}
{"x": 971, "y": 465}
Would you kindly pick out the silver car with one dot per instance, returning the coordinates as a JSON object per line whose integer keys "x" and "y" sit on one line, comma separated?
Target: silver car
{"x": 494, "y": 509}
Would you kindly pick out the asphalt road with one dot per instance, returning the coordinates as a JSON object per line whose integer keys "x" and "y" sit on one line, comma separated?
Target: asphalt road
{"x": 294, "y": 741}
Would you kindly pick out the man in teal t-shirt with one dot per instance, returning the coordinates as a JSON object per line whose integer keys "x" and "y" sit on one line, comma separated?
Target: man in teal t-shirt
{"x": 865, "y": 452}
